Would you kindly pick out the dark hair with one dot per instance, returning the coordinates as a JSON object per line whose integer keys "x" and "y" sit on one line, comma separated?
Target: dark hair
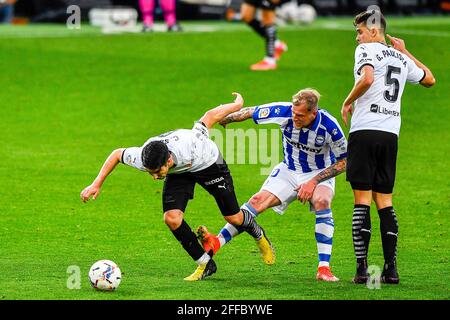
{"x": 155, "y": 155}
{"x": 366, "y": 15}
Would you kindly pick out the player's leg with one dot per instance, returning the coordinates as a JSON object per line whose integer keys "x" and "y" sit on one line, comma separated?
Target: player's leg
{"x": 257, "y": 204}
{"x": 274, "y": 46}
{"x": 178, "y": 189}
{"x": 248, "y": 15}
{"x": 218, "y": 182}
{"x": 168, "y": 8}
{"x": 147, "y": 7}
{"x": 277, "y": 193}
{"x": 361, "y": 232}
{"x": 361, "y": 164}
{"x": 324, "y": 228}
{"x": 382, "y": 195}
{"x": 268, "y": 21}
{"x": 268, "y": 26}
{"x": 389, "y": 236}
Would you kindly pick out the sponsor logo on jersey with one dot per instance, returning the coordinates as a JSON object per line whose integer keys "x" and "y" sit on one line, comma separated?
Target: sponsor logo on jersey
{"x": 263, "y": 113}
{"x": 363, "y": 55}
{"x": 382, "y": 110}
{"x": 364, "y": 60}
{"x": 303, "y": 147}
{"x": 374, "y": 108}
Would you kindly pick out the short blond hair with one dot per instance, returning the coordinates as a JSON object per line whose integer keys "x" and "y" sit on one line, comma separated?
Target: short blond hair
{"x": 309, "y": 96}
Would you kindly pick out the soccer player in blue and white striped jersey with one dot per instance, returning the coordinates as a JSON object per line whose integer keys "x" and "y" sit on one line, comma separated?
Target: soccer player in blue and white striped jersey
{"x": 315, "y": 151}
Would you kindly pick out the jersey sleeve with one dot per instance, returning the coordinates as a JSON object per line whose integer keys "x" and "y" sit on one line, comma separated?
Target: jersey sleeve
{"x": 277, "y": 112}
{"x": 339, "y": 148}
{"x": 200, "y": 130}
{"x": 363, "y": 57}
{"x": 338, "y": 142}
{"x": 415, "y": 74}
{"x": 133, "y": 158}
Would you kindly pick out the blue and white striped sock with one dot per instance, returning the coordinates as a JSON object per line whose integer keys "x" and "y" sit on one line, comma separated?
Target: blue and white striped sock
{"x": 229, "y": 231}
{"x": 324, "y": 235}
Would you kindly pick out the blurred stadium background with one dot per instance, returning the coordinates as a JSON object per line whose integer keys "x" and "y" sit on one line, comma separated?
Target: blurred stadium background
{"x": 26, "y": 11}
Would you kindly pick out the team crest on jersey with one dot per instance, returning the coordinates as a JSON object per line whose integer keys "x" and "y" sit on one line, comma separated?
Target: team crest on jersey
{"x": 264, "y": 113}
{"x": 320, "y": 140}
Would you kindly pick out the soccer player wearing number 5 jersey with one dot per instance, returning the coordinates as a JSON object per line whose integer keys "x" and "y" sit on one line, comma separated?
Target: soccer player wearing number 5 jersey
{"x": 185, "y": 158}
{"x": 381, "y": 72}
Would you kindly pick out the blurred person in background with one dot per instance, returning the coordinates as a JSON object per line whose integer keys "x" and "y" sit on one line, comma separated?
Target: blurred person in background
{"x": 168, "y": 8}
{"x": 266, "y": 29}
{"x": 6, "y": 10}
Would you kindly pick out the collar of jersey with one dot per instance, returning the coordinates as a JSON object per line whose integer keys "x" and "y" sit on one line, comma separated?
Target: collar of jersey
{"x": 316, "y": 122}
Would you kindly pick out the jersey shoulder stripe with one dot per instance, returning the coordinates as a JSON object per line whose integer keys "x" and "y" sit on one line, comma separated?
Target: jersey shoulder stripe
{"x": 274, "y": 112}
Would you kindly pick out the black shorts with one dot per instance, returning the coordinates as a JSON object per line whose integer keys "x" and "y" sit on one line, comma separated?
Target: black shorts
{"x": 216, "y": 179}
{"x": 263, "y": 4}
{"x": 371, "y": 160}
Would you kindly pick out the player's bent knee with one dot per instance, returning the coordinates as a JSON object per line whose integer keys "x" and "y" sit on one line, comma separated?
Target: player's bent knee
{"x": 263, "y": 200}
{"x": 173, "y": 218}
{"x": 321, "y": 203}
{"x": 255, "y": 202}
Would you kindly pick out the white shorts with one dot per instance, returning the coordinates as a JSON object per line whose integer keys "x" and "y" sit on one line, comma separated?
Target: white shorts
{"x": 282, "y": 182}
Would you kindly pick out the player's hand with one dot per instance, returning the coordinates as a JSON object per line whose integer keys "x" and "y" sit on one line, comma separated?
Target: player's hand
{"x": 239, "y": 100}
{"x": 397, "y": 43}
{"x": 89, "y": 191}
{"x": 305, "y": 191}
{"x": 346, "y": 109}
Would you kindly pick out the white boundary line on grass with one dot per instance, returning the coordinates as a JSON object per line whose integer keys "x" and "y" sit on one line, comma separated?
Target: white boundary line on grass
{"x": 63, "y": 33}
{"x": 336, "y": 26}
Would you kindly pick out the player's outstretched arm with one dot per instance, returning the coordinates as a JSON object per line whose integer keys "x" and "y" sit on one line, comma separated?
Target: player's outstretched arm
{"x": 238, "y": 116}
{"x": 211, "y": 117}
{"x": 399, "y": 44}
{"x": 94, "y": 188}
{"x": 306, "y": 190}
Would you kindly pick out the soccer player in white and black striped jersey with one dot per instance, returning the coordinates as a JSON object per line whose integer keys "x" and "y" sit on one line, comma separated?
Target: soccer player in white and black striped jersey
{"x": 185, "y": 158}
{"x": 380, "y": 72}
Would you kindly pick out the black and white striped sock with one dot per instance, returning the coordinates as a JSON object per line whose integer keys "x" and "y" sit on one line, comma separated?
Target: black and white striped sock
{"x": 362, "y": 229}
{"x": 249, "y": 225}
{"x": 271, "y": 37}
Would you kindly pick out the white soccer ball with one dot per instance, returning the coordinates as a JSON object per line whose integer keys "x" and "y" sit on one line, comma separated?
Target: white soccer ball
{"x": 287, "y": 11}
{"x": 291, "y": 12}
{"x": 105, "y": 275}
{"x": 305, "y": 14}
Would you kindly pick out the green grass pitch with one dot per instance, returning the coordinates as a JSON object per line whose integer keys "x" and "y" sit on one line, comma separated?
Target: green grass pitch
{"x": 68, "y": 98}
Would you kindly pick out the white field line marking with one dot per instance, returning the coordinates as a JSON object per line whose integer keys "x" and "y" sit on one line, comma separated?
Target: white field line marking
{"x": 63, "y": 33}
